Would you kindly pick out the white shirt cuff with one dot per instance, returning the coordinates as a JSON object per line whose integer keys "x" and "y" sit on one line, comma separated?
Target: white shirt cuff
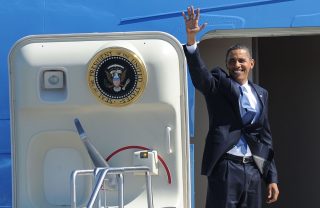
{"x": 192, "y": 48}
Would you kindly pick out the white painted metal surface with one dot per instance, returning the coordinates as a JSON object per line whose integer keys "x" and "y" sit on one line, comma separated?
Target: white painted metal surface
{"x": 46, "y": 146}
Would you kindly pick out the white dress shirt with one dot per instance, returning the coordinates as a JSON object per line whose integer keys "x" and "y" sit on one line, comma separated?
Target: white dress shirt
{"x": 253, "y": 99}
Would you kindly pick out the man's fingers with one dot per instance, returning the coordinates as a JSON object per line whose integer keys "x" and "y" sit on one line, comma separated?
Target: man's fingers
{"x": 197, "y": 14}
{"x": 192, "y": 11}
{"x": 270, "y": 196}
{"x": 189, "y": 11}
{"x": 272, "y": 199}
{"x": 203, "y": 26}
{"x": 184, "y": 16}
{"x": 269, "y": 193}
{"x": 191, "y": 18}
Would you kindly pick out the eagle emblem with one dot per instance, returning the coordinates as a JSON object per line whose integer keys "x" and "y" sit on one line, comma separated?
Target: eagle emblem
{"x": 116, "y": 78}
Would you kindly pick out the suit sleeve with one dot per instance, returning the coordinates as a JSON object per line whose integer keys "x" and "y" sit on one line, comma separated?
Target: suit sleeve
{"x": 271, "y": 176}
{"x": 202, "y": 79}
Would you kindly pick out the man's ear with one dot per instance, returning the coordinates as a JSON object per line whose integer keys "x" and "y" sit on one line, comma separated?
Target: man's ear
{"x": 252, "y": 63}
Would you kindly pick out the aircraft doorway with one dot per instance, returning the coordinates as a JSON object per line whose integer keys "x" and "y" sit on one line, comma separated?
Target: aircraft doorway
{"x": 287, "y": 66}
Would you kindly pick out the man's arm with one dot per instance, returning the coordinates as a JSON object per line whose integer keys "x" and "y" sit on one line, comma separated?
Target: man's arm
{"x": 272, "y": 175}
{"x": 201, "y": 77}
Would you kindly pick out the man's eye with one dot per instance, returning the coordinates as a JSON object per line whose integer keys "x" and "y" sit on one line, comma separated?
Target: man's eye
{"x": 234, "y": 61}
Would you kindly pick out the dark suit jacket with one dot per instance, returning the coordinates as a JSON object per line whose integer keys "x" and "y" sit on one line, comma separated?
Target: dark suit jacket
{"x": 225, "y": 123}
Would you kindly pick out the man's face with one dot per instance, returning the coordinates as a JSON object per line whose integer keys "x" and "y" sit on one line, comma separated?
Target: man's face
{"x": 239, "y": 64}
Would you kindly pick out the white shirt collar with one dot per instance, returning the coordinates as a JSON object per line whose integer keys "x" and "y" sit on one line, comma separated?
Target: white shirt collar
{"x": 245, "y": 85}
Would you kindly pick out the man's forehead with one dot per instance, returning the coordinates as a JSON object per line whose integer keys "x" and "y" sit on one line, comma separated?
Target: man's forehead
{"x": 239, "y": 53}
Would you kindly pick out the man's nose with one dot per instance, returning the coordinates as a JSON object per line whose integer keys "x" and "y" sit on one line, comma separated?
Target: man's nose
{"x": 237, "y": 64}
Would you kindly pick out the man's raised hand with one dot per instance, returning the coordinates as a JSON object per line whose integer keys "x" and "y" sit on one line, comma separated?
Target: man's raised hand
{"x": 192, "y": 24}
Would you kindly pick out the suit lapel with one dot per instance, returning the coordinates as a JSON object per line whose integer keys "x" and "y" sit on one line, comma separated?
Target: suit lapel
{"x": 235, "y": 94}
{"x": 231, "y": 91}
{"x": 260, "y": 97}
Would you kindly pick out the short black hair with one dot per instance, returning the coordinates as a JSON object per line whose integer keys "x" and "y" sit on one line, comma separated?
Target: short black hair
{"x": 236, "y": 47}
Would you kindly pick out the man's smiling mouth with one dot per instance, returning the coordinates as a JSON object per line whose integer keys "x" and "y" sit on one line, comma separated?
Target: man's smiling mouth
{"x": 238, "y": 71}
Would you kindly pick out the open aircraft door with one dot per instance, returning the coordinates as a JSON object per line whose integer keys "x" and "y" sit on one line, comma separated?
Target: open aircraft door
{"x": 78, "y": 98}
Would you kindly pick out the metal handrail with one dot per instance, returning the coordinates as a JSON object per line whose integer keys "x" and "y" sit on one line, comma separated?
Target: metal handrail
{"x": 101, "y": 173}
{"x": 73, "y": 184}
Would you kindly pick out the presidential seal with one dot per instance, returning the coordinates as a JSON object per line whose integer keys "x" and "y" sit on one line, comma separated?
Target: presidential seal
{"x": 117, "y": 76}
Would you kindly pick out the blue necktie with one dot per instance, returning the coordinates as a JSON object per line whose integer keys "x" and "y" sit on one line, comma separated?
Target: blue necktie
{"x": 247, "y": 117}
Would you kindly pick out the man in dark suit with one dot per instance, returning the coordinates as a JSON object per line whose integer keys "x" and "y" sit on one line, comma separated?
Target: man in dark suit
{"x": 238, "y": 151}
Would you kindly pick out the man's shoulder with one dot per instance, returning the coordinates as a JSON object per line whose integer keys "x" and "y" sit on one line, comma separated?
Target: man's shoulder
{"x": 259, "y": 88}
{"x": 220, "y": 71}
